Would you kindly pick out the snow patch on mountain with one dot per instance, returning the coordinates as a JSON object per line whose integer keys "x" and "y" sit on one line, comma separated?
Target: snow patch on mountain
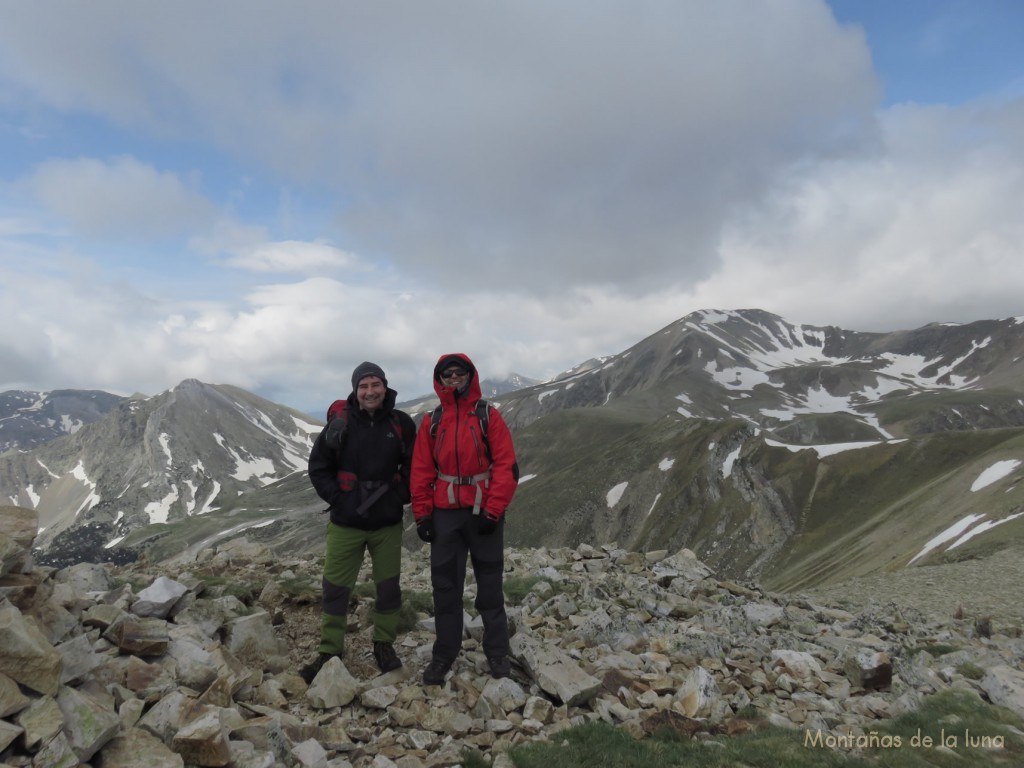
{"x": 159, "y": 510}
{"x": 615, "y": 494}
{"x": 818, "y": 400}
{"x": 831, "y": 449}
{"x": 653, "y": 504}
{"x": 996, "y": 472}
{"x": 987, "y": 525}
{"x": 949, "y": 534}
{"x": 92, "y": 498}
{"x": 245, "y": 469}
{"x": 165, "y": 444}
{"x": 730, "y": 460}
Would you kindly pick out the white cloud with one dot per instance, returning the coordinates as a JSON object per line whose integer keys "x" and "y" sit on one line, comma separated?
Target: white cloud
{"x": 119, "y": 199}
{"x": 292, "y": 256}
{"x": 924, "y": 229}
{"x": 485, "y": 142}
{"x": 533, "y": 184}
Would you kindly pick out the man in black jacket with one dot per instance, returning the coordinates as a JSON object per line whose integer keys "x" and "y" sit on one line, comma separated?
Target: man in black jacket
{"x": 359, "y": 465}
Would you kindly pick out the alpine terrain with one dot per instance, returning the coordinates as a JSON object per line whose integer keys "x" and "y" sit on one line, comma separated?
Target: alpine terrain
{"x": 29, "y": 419}
{"x": 791, "y": 454}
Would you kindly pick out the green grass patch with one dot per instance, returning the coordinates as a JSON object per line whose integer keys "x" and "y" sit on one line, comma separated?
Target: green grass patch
{"x": 935, "y": 649}
{"x": 301, "y": 587}
{"x": 218, "y": 586}
{"x": 135, "y": 583}
{"x": 953, "y": 728}
{"x": 473, "y": 759}
{"x": 414, "y": 603}
{"x": 971, "y": 671}
{"x": 975, "y": 734}
{"x": 365, "y": 590}
{"x": 599, "y": 744}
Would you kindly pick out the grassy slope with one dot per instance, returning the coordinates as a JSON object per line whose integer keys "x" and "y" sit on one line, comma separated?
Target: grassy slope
{"x": 851, "y": 513}
{"x": 875, "y": 509}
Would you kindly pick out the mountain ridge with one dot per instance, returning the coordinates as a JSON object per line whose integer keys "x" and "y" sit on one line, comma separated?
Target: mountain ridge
{"x": 773, "y": 450}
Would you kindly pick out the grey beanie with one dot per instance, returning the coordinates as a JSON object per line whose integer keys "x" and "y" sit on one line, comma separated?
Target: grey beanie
{"x": 367, "y": 369}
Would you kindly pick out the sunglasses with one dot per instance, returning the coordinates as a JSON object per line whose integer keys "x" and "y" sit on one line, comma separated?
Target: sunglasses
{"x": 451, "y": 373}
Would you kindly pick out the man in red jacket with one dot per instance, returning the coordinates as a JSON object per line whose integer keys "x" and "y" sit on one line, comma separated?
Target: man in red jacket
{"x": 463, "y": 478}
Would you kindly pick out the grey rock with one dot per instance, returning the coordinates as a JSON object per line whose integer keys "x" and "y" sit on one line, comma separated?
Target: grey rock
{"x": 12, "y": 700}
{"x": 157, "y": 600}
{"x": 203, "y": 740}
{"x": 333, "y": 686}
{"x": 555, "y": 672}
{"x": 78, "y": 658}
{"x": 1004, "y": 686}
{"x": 135, "y": 747}
{"x": 8, "y": 733}
{"x": 88, "y": 725}
{"x": 41, "y": 721}
{"x": 25, "y": 654}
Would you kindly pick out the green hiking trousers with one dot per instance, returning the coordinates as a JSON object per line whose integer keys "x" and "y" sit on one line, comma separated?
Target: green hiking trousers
{"x": 342, "y": 561}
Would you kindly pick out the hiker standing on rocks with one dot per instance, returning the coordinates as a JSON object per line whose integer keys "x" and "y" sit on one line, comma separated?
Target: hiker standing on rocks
{"x": 360, "y": 465}
{"x": 464, "y": 473}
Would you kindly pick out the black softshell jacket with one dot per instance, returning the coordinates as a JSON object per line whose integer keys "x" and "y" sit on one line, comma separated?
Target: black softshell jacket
{"x": 373, "y": 452}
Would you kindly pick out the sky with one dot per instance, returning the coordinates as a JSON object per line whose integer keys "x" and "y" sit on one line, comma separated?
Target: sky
{"x": 266, "y": 194}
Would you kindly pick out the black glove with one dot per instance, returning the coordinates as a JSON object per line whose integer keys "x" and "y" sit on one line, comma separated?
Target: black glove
{"x": 425, "y": 529}
{"x": 487, "y": 525}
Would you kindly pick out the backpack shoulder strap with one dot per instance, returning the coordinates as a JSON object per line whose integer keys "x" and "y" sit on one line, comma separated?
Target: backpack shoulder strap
{"x": 482, "y": 411}
{"x": 435, "y": 419}
{"x": 396, "y": 423}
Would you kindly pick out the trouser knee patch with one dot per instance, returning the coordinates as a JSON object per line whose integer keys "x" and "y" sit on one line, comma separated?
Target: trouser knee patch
{"x": 389, "y": 595}
{"x": 335, "y": 599}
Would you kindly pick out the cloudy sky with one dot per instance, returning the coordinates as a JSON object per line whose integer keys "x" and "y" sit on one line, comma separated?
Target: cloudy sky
{"x": 265, "y": 194}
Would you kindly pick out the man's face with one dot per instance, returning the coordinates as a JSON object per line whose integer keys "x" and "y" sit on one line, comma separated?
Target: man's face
{"x": 370, "y": 393}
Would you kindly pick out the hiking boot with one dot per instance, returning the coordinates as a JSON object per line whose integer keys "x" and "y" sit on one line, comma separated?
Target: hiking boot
{"x": 385, "y": 656}
{"x": 500, "y": 666}
{"x": 435, "y": 671}
{"x": 311, "y": 670}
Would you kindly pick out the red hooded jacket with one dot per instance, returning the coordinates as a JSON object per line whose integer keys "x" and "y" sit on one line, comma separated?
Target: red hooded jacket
{"x": 458, "y": 450}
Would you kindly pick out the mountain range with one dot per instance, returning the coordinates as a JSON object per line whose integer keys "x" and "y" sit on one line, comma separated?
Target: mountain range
{"x": 29, "y": 419}
{"x": 797, "y": 455}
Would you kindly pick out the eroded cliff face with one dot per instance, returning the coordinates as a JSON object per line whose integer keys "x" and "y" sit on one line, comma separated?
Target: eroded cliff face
{"x": 710, "y": 487}
{"x": 736, "y": 511}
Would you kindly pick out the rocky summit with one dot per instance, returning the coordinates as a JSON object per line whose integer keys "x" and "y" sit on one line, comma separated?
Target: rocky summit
{"x": 134, "y": 665}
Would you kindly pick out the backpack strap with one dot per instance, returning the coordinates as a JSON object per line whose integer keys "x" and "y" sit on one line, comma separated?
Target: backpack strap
{"x": 482, "y": 410}
{"x": 481, "y": 481}
{"x": 396, "y": 423}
